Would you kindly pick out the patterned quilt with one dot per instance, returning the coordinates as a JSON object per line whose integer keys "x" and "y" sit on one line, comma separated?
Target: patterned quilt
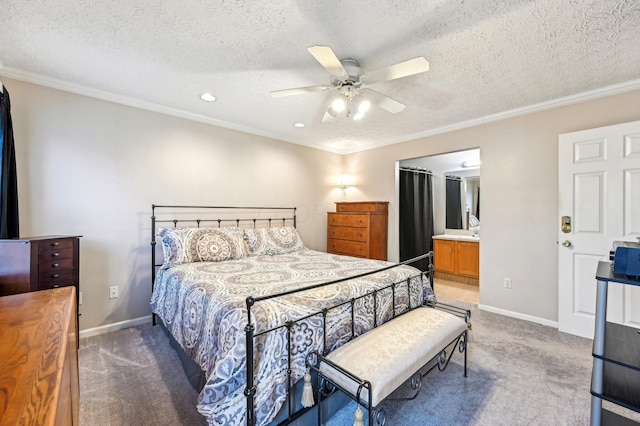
{"x": 203, "y": 306}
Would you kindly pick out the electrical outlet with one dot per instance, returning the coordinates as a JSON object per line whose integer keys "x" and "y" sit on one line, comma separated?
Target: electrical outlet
{"x": 507, "y": 283}
{"x": 80, "y": 298}
{"x": 113, "y": 292}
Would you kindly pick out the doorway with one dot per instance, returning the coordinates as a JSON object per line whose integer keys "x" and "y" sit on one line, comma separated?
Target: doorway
{"x": 465, "y": 166}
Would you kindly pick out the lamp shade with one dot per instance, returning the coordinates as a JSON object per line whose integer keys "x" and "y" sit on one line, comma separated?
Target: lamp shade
{"x": 345, "y": 180}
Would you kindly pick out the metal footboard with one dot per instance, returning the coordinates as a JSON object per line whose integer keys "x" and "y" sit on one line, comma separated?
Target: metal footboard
{"x": 250, "y": 389}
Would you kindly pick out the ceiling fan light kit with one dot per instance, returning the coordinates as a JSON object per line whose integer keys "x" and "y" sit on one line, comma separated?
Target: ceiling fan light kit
{"x": 351, "y": 99}
{"x": 338, "y": 105}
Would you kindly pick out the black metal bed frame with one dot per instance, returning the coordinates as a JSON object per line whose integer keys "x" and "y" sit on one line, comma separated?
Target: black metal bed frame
{"x": 250, "y": 388}
{"x": 219, "y": 221}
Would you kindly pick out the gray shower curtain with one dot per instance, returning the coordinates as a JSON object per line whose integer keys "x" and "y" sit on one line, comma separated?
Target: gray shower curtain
{"x": 416, "y": 216}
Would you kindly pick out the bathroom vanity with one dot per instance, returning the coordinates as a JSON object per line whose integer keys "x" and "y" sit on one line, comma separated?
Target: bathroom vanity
{"x": 457, "y": 258}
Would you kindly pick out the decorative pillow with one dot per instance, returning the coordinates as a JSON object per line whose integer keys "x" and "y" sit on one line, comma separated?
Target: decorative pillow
{"x": 270, "y": 241}
{"x": 186, "y": 245}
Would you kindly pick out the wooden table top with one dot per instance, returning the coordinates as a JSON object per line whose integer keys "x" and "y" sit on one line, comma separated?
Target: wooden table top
{"x": 34, "y": 345}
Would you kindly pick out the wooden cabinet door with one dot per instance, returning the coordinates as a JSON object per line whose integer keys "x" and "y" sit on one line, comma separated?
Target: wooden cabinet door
{"x": 444, "y": 256}
{"x": 468, "y": 259}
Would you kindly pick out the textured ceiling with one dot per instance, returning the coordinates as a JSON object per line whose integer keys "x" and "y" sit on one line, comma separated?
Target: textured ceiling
{"x": 486, "y": 57}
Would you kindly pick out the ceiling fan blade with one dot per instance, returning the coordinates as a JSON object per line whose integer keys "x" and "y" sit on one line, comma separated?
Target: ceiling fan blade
{"x": 383, "y": 101}
{"x": 329, "y": 115}
{"x": 328, "y": 60}
{"x": 403, "y": 69}
{"x": 299, "y": 91}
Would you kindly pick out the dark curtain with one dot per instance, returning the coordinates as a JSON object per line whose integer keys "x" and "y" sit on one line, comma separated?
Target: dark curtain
{"x": 416, "y": 217}
{"x": 453, "y": 204}
{"x": 9, "y": 227}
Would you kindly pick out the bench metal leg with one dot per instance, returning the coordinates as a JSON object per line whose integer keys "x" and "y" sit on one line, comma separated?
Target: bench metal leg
{"x": 465, "y": 352}
{"x": 379, "y": 416}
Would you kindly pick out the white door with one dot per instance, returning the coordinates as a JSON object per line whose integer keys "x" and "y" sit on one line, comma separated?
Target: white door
{"x": 599, "y": 185}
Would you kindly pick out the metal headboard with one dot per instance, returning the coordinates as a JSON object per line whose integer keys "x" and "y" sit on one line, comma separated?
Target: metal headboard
{"x": 214, "y": 215}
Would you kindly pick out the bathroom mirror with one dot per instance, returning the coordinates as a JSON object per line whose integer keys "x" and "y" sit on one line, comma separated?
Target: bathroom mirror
{"x": 462, "y": 198}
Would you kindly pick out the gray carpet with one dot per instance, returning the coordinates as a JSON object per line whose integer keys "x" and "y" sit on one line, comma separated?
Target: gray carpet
{"x": 520, "y": 373}
{"x": 133, "y": 377}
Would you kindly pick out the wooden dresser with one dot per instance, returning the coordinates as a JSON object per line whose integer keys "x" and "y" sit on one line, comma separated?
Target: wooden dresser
{"x": 358, "y": 229}
{"x": 39, "y": 263}
{"x": 39, "y": 382}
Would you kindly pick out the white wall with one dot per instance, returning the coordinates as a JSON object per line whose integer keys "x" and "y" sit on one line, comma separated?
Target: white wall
{"x": 94, "y": 168}
{"x": 91, "y": 167}
{"x": 519, "y": 201}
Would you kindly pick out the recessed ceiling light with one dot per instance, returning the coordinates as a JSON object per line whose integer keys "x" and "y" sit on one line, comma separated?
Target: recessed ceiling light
{"x": 208, "y": 97}
{"x": 299, "y": 125}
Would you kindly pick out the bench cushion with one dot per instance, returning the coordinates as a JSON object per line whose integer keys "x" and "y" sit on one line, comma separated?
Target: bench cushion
{"x": 390, "y": 354}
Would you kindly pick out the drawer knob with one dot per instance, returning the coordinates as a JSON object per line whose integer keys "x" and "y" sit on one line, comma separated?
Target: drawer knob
{"x": 55, "y": 244}
{"x": 56, "y": 254}
{"x": 56, "y": 286}
{"x": 55, "y": 265}
{"x": 55, "y": 276}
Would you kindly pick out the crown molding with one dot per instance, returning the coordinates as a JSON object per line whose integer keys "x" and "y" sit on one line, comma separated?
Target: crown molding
{"x": 602, "y": 92}
{"x": 79, "y": 89}
{"x": 174, "y": 112}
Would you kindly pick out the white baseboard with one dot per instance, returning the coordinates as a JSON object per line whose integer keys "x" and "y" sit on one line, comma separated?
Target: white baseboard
{"x": 95, "y": 331}
{"x": 518, "y": 315}
{"x": 147, "y": 319}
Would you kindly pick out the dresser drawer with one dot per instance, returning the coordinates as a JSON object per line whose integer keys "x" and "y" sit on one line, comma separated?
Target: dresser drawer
{"x": 351, "y": 248}
{"x": 346, "y": 233}
{"x": 54, "y": 263}
{"x": 53, "y": 279}
{"x": 357, "y": 220}
{"x": 54, "y": 253}
{"x": 55, "y": 244}
{"x": 380, "y": 207}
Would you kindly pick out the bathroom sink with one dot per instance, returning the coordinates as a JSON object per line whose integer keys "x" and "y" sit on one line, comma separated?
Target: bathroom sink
{"x": 457, "y": 237}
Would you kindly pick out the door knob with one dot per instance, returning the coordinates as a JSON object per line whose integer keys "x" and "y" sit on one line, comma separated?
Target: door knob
{"x": 566, "y": 243}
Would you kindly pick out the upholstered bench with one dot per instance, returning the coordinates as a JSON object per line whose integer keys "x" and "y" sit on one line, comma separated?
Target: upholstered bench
{"x": 370, "y": 367}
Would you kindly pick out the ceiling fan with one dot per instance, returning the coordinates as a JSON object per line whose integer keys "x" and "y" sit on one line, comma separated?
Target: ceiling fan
{"x": 347, "y": 79}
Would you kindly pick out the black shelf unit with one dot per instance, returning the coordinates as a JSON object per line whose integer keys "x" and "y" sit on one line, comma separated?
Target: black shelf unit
{"x": 616, "y": 357}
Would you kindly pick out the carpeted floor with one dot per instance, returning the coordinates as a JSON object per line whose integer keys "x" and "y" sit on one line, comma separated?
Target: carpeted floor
{"x": 520, "y": 373}
{"x": 133, "y": 377}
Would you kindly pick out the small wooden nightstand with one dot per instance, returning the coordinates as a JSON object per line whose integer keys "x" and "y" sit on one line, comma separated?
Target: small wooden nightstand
{"x": 358, "y": 229}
